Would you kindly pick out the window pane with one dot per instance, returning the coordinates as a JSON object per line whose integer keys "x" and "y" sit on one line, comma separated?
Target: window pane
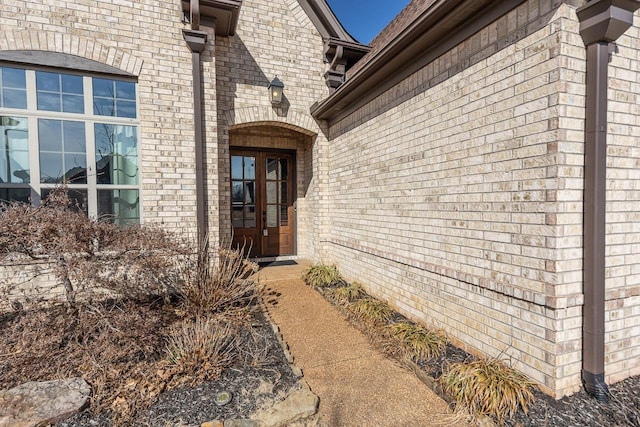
{"x": 236, "y": 167}
{"x": 74, "y": 137}
{"x": 51, "y": 168}
{"x": 63, "y": 155}
{"x": 50, "y": 135}
{"x": 13, "y": 78}
{"x": 14, "y": 195}
{"x": 72, "y": 104}
{"x": 125, "y": 90}
{"x": 249, "y": 168}
{"x": 114, "y": 98}
{"x": 272, "y": 216}
{"x": 272, "y": 169}
{"x": 13, "y": 86}
{"x": 125, "y": 109}
{"x": 249, "y": 192}
{"x": 236, "y": 191}
{"x": 75, "y": 168}
{"x": 14, "y": 151}
{"x": 284, "y": 168}
{"x": 78, "y": 198}
{"x": 14, "y": 98}
{"x": 116, "y": 154}
{"x": 272, "y": 192}
{"x": 103, "y": 106}
{"x": 72, "y": 84}
{"x": 119, "y": 206}
{"x": 49, "y": 101}
{"x": 47, "y": 81}
{"x": 103, "y": 87}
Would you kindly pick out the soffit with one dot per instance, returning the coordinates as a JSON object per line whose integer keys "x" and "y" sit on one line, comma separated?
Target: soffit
{"x": 224, "y": 13}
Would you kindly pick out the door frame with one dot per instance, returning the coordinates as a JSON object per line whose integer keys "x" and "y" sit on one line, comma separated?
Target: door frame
{"x": 260, "y": 153}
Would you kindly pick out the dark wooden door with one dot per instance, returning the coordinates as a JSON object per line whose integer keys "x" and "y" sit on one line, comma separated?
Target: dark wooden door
{"x": 262, "y": 201}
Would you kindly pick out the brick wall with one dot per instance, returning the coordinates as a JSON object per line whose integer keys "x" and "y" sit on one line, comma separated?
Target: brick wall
{"x": 145, "y": 38}
{"x": 457, "y": 196}
{"x": 274, "y": 38}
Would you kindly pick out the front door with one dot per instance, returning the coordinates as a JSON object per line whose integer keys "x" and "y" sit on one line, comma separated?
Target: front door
{"x": 262, "y": 202}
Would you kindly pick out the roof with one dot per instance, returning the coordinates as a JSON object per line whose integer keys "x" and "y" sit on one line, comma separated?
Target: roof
{"x": 391, "y": 31}
{"x": 421, "y": 32}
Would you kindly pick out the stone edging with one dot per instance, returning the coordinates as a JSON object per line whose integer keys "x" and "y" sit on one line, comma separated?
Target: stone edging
{"x": 298, "y": 405}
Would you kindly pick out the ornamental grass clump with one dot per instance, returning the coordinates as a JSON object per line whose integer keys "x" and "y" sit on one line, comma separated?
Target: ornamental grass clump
{"x": 210, "y": 287}
{"x": 321, "y": 276}
{"x": 488, "y": 387}
{"x": 416, "y": 341}
{"x": 346, "y": 294}
{"x": 371, "y": 310}
{"x": 201, "y": 348}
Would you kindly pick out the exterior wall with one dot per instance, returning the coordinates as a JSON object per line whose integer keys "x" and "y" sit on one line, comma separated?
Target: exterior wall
{"x": 145, "y": 39}
{"x": 457, "y": 196}
{"x": 28, "y": 281}
{"x": 272, "y": 38}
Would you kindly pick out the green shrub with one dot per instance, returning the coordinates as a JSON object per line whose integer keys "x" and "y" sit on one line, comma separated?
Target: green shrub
{"x": 488, "y": 387}
{"x": 416, "y": 341}
{"x": 321, "y": 276}
{"x": 371, "y": 310}
{"x": 347, "y": 294}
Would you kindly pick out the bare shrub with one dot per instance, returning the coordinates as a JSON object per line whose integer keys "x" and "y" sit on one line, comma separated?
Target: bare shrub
{"x": 201, "y": 348}
{"x": 116, "y": 346}
{"x": 210, "y": 287}
{"x": 90, "y": 256}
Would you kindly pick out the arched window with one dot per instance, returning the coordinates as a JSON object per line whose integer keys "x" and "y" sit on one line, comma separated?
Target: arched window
{"x": 59, "y": 125}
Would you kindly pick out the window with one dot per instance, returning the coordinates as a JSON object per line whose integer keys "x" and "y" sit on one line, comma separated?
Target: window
{"x": 66, "y": 128}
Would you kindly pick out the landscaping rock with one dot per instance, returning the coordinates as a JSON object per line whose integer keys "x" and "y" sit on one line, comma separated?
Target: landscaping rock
{"x": 42, "y": 403}
{"x": 298, "y": 405}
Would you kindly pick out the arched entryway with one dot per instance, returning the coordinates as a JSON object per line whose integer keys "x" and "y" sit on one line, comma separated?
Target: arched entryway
{"x": 270, "y": 167}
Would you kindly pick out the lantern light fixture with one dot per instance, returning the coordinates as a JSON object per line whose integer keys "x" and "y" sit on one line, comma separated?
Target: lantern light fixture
{"x": 276, "y": 88}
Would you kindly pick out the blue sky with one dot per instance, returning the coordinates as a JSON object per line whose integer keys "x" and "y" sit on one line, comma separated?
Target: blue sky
{"x": 364, "y": 19}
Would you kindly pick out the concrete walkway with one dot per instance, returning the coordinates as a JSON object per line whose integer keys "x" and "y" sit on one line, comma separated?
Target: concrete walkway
{"x": 357, "y": 384}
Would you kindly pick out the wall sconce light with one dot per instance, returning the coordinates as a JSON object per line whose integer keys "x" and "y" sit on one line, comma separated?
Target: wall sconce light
{"x": 275, "y": 90}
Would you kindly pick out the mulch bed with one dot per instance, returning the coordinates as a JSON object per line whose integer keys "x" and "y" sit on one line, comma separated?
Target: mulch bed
{"x": 118, "y": 342}
{"x": 579, "y": 409}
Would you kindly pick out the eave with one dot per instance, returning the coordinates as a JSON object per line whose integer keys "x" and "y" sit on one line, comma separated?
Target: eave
{"x": 325, "y": 20}
{"x": 438, "y": 29}
{"x": 223, "y": 14}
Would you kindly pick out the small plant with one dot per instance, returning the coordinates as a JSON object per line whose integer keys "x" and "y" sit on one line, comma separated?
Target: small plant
{"x": 371, "y": 310}
{"x": 488, "y": 387}
{"x": 416, "y": 341}
{"x": 321, "y": 276}
{"x": 201, "y": 348}
{"x": 346, "y": 294}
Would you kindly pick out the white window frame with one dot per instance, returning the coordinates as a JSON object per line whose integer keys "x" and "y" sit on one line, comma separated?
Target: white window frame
{"x": 89, "y": 119}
